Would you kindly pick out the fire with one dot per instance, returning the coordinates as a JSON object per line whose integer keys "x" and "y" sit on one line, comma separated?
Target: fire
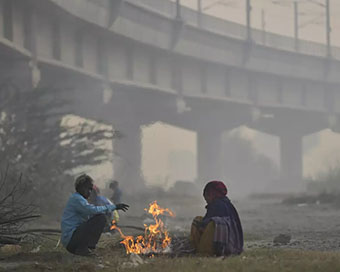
{"x": 156, "y": 237}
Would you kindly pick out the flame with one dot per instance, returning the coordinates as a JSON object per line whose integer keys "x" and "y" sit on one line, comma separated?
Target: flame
{"x": 156, "y": 237}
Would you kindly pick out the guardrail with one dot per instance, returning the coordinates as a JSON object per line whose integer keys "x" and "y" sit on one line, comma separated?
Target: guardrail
{"x": 239, "y": 31}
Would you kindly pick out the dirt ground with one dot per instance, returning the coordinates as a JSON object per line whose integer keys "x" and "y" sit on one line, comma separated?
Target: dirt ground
{"x": 311, "y": 227}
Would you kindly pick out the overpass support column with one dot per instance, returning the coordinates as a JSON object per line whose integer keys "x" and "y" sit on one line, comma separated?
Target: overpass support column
{"x": 209, "y": 154}
{"x": 127, "y": 158}
{"x": 291, "y": 158}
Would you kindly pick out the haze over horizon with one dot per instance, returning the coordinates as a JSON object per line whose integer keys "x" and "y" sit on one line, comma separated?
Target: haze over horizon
{"x": 320, "y": 149}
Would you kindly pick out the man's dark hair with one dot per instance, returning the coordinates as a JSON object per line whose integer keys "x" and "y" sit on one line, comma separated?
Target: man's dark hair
{"x": 81, "y": 181}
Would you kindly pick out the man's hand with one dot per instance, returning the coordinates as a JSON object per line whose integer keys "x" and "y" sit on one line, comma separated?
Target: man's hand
{"x": 122, "y": 206}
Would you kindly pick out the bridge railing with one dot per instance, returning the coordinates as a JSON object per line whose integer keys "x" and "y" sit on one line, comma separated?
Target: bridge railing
{"x": 239, "y": 31}
{"x": 190, "y": 16}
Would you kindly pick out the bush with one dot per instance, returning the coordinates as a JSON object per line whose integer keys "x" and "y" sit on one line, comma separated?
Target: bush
{"x": 326, "y": 181}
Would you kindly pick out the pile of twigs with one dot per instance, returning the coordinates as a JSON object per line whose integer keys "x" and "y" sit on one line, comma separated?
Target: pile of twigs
{"x": 181, "y": 246}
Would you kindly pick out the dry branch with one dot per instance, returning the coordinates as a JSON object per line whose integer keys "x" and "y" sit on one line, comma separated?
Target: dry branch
{"x": 15, "y": 210}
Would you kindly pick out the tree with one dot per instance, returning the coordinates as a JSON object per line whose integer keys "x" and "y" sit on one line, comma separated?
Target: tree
{"x": 16, "y": 208}
{"x": 34, "y": 141}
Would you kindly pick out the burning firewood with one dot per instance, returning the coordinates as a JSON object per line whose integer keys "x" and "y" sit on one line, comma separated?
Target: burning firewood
{"x": 156, "y": 237}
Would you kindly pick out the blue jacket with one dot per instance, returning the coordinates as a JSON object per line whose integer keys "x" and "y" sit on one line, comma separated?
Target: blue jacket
{"x": 102, "y": 201}
{"x": 76, "y": 212}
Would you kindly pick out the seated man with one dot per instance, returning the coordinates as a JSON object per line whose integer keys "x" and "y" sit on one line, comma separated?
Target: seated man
{"x": 219, "y": 232}
{"x": 82, "y": 223}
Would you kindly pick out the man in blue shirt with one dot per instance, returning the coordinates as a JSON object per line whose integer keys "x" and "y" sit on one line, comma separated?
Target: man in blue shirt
{"x": 82, "y": 223}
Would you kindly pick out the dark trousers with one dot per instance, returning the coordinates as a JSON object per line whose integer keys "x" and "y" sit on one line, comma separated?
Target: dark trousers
{"x": 87, "y": 234}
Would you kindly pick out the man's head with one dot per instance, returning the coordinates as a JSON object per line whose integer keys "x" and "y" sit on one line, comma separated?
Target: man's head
{"x": 213, "y": 190}
{"x": 84, "y": 185}
{"x": 114, "y": 184}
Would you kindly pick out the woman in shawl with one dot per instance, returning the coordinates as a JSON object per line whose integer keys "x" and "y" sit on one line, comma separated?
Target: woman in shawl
{"x": 219, "y": 232}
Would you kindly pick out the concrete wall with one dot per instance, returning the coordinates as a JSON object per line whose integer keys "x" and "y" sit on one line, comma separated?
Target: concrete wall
{"x": 90, "y": 51}
{"x": 163, "y": 66}
{"x": 117, "y": 60}
{"x": 67, "y": 42}
{"x": 18, "y": 31}
{"x": 268, "y": 90}
{"x": 239, "y": 85}
{"x": 216, "y": 81}
{"x": 315, "y": 97}
{"x": 1, "y": 19}
{"x": 141, "y": 65}
{"x": 191, "y": 78}
{"x": 44, "y": 36}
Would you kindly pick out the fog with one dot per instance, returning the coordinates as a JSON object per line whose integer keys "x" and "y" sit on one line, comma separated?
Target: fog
{"x": 161, "y": 142}
{"x": 164, "y": 97}
{"x": 191, "y": 97}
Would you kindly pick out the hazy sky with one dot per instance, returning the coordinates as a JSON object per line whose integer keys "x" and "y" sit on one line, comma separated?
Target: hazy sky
{"x": 160, "y": 139}
{"x": 279, "y": 18}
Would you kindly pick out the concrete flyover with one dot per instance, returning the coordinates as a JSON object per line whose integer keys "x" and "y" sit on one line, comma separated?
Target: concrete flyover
{"x": 131, "y": 63}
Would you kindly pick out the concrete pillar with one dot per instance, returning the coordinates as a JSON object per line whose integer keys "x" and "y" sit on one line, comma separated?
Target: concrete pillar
{"x": 291, "y": 157}
{"x": 127, "y": 147}
{"x": 127, "y": 157}
{"x": 209, "y": 154}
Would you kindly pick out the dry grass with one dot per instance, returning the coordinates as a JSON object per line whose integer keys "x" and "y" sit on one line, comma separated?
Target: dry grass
{"x": 112, "y": 258}
{"x": 254, "y": 260}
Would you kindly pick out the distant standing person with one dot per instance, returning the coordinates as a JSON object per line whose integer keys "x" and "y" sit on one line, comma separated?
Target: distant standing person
{"x": 117, "y": 193}
{"x": 98, "y": 200}
{"x": 82, "y": 223}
